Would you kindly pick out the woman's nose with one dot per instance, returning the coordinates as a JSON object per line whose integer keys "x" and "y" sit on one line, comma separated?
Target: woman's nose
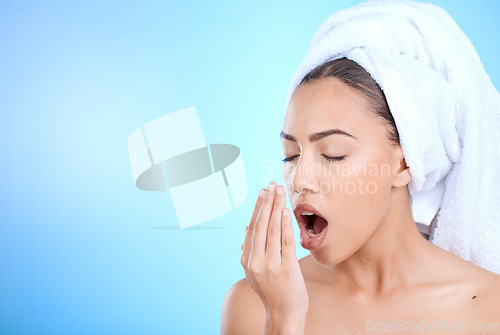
{"x": 304, "y": 178}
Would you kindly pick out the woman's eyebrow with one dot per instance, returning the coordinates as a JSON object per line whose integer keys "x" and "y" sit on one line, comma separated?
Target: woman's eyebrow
{"x": 318, "y": 136}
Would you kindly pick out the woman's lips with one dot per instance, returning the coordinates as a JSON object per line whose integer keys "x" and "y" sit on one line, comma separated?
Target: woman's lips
{"x": 311, "y": 240}
{"x": 305, "y": 207}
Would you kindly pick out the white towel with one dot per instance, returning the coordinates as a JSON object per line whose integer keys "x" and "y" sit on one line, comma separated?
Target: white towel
{"x": 446, "y": 110}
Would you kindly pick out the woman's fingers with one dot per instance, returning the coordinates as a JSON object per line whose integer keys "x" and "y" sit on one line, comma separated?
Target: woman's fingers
{"x": 247, "y": 243}
{"x": 246, "y": 231}
{"x": 274, "y": 230}
{"x": 288, "y": 253}
{"x": 262, "y": 223}
{"x": 269, "y": 259}
{"x": 270, "y": 228}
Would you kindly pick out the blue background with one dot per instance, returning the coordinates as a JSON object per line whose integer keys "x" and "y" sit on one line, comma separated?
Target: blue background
{"x": 82, "y": 250}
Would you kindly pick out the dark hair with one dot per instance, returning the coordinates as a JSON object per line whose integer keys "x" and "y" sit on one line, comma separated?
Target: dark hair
{"x": 354, "y": 75}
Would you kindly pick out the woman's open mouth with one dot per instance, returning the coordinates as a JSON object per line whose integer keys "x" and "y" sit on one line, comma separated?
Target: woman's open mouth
{"x": 313, "y": 227}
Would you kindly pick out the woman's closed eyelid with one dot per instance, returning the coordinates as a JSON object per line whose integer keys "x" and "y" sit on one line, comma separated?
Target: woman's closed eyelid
{"x": 328, "y": 158}
{"x": 288, "y": 159}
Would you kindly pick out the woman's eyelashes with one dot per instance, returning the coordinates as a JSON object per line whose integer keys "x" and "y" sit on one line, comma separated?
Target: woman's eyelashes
{"x": 329, "y": 159}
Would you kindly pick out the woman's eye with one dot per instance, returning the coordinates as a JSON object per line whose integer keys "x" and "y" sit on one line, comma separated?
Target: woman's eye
{"x": 330, "y": 159}
{"x": 288, "y": 159}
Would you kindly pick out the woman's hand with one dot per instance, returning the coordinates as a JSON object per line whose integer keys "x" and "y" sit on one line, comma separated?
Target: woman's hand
{"x": 271, "y": 265}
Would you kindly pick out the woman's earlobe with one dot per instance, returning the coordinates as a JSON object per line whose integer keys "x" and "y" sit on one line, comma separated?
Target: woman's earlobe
{"x": 402, "y": 178}
{"x": 402, "y": 175}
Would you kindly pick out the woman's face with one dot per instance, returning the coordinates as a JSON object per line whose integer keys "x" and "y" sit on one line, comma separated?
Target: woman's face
{"x": 353, "y": 194}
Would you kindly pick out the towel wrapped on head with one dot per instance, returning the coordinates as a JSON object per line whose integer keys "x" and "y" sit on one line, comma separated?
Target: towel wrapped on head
{"x": 446, "y": 110}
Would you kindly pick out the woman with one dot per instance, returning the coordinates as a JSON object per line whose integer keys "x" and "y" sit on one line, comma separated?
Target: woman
{"x": 349, "y": 184}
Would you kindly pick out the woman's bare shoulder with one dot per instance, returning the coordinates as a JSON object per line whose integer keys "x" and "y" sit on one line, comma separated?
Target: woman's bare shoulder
{"x": 487, "y": 298}
{"x": 482, "y": 287}
{"x": 242, "y": 310}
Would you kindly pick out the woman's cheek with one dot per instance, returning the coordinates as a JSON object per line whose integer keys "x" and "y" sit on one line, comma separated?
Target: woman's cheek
{"x": 287, "y": 175}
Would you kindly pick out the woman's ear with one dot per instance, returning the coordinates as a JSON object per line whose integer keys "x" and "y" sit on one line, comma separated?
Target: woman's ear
{"x": 401, "y": 172}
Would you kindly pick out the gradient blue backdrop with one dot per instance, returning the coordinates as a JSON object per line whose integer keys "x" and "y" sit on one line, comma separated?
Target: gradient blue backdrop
{"x": 82, "y": 250}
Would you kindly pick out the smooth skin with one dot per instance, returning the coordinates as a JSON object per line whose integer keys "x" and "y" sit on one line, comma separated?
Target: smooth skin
{"x": 374, "y": 269}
